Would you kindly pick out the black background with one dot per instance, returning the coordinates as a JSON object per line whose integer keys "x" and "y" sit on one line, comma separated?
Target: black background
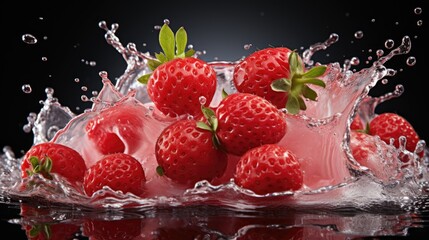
{"x": 68, "y": 36}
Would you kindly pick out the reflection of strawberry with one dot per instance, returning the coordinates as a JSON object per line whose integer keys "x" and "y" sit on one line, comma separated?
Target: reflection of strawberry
{"x": 278, "y": 75}
{"x": 392, "y": 126}
{"x": 246, "y": 121}
{"x": 125, "y": 229}
{"x": 119, "y": 171}
{"x": 269, "y": 168}
{"x": 179, "y": 81}
{"x": 47, "y": 158}
{"x": 115, "y": 128}
{"x": 187, "y": 154}
{"x": 271, "y": 233}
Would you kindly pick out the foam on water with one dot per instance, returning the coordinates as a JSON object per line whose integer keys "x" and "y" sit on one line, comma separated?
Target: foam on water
{"x": 320, "y": 138}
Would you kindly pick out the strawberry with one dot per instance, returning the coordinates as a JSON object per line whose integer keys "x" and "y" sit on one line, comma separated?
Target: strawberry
{"x": 186, "y": 153}
{"x": 53, "y": 158}
{"x": 178, "y": 81}
{"x": 278, "y": 75}
{"x": 116, "y": 128}
{"x": 246, "y": 121}
{"x": 357, "y": 123}
{"x": 267, "y": 169}
{"x": 392, "y": 126}
{"x": 119, "y": 171}
{"x": 113, "y": 229}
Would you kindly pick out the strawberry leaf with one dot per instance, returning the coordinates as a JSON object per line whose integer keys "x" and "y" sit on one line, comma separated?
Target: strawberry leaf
{"x": 309, "y": 93}
{"x": 301, "y": 102}
{"x": 204, "y": 126}
{"x": 34, "y": 161}
{"x": 295, "y": 63}
{"x": 281, "y": 85}
{"x": 161, "y": 57}
{"x": 181, "y": 40}
{"x": 315, "y": 72}
{"x": 292, "y": 105}
{"x": 314, "y": 81}
{"x": 144, "y": 78}
{"x": 47, "y": 165}
{"x": 166, "y": 40}
{"x": 224, "y": 93}
{"x": 160, "y": 171}
{"x": 190, "y": 53}
{"x": 152, "y": 64}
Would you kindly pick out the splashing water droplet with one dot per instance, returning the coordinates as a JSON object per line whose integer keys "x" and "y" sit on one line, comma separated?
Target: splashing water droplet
{"x": 373, "y": 20}
{"x": 384, "y": 81}
{"x": 44, "y": 59}
{"x": 411, "y": 61}
{"x": 419, "y": 23}
{"x": 84, "y": 98}
{"x": 396, "y": 23}
{"x": 26, "y": 88}
{"x": 84, "y": 88}
{"x": 418, "y": 10}
{"x": 379, "y": 52}
{"x": 190, "y": 46}
{"x": 29, "y": 39}
{"x": 76, "y": 80}
{"x": 157, "y": 27}
{"x": 166, "y": 21}
{"x": 389, "y": 43}
{"x": 45, "y": 37}
{"x": 391, "y": 72}
{"x": 354, "y": 61}
{"x": 92, "y": 63}
{"x": 247, "y": 46}
{"x": 358, "y": 34}
{"x": 202, "y": 100}
{"x": 94, "y": 93}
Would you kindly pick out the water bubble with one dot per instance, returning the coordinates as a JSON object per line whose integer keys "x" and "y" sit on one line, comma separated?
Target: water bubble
{"x": 396, "y": 23}
{"x": 76, "y": 80}
{"x": 157, "y": 27}
{"x": 190, "y": 46}
{"x": 26, "y": 88}
{"x": 92, "y": 63}
{"x": 379, "y": 52}
{"x": 247, "y": 46}
{"x": 384, "y": 81}
{"x": 358, "y": 34}
{"x": 49, "y": 92}
{"x": 41, "y": 18}
{"x": 45, "y": 37}
{"x": 411, "y": 61}
{"x": 370, "y": 58}
{"x": 84, "y": 88}
{"x": 418, "y": 10}
{"x": 419, "y": 23}
{"x": 94, "y": 93}
{"x": 354, "y": 61}
{"x": 373, "y": 20}
{"x": 29, "y": 39}
{"x": 391, "y": 72}
{"x": 44, "y": 59}
{"x": 389, "y": 43}
{"x": 202, "y": 100}
{"x": 144, "y": 44}
{"x": 166, "y": 21}
{"x": 84, "y": 98}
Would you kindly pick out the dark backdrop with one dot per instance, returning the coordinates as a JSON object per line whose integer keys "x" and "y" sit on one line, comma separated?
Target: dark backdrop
{"x": 69, "y": 37}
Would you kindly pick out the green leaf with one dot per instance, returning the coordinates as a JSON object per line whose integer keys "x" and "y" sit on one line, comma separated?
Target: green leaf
{"x": 292, "y": 105}
{"x": 161, "y": 57}
{"x": 224, "y": 93}
{"x": 160, "y": 171}
{"x": 216, "y": 142}
{"x": 47, "y": 231}
{"x": 309, "y": 93}
{"x": 295, "y": 63}
{"x": 281, "y": 85}
{"x": 166, "y": 40}
{"x": 204, "y": 126}
{"x": 47, "y": 164}
{"x": 144, "y": 78}
{"x": 153, "y": 64}
{"x": 302, "y": 105}
{"x": 34, "y": 231}
{"x": 181, "y": 40}
{"x": 190, "y": 53}
{"x": 208, "y": 112}
{"x": 314, "y": 81}
{"x": 34, "y": 161}
{"x": 315, "y": 72}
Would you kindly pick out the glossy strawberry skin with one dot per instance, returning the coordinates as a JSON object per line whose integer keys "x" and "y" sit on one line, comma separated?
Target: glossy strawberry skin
{"x": 66, "y": 161}
{"x": 114, "y": 126}
{"x": 257, "y": 71}
{"x": 119, "y": 171}
{"x": 247, "y": 121}
{"x": 392, "y": 125}
{"x": 176, "y": 86}
{"x": 267, "y": 169}
{"x": 357, "y": 123}
{"x": 187, "y": 153}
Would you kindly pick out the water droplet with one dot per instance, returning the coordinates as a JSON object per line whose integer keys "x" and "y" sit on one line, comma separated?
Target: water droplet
{"x": 419, "y": 23}
{"x": 389, "y": 43}
{"x": 41, "y": 18}
{"x": 166, "y": 21}
{"x": 190, "y": 46}
{"x": 26, "y": 88}
{"x": 157, "y": 27}
{"x": 396, "y": 23}
{"x": 92, "y": 63}
{"x": 379, "y": 52}
{"x": 44, "y": 59}
{"x": 202, "y": 100}
{"x": 411, "y": 61}
{"x": 29, "y": 39}
{"x": 247, "y": 46}
{"x": 370, "y": 50}
{"x": 373, "y": 20}
{"x": 391, "y": 72}
{"x": 370, "y": 58}
{"x": 358, "y": 34}
{"x": 144, "y": 44}
{"x": 84, "y": 98}
{"x": 94, "y": 93}
{"x": 384, "y": 81}
{"x": 49, "y": 92}
{"x": 84, "y": 88}
{"x": 354, "y": 61}
{"x": 418, "y": 10}
{"x": 45, "y": 37}
{"x": 76, "y": 80}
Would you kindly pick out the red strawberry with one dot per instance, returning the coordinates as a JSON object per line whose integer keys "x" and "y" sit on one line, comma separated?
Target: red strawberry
{"x": 186, "y": 153}
{"x": 125, "y": 229}
{"x": 267, "y": 169}
{"x": 115, "y": 128}
{"x": 247, "y": 121}
{"x": 357, "y": 123}
{"x": 119, "y": 171}
{"x": 278, "y": 75}
{"x": 392, "y": 126}
{"x": 49, "y": 157}
{"x": 178, "y": 81}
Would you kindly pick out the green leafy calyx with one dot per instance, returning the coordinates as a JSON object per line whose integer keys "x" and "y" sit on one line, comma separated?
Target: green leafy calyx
{"x": 173, "y": 46}
{"x": 211, "y": 125}
{"x": 297, "y": 84}
{"x": 40, "y": 166}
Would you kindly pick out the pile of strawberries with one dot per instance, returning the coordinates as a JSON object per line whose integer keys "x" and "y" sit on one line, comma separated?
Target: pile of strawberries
{"x": 247, "y": 123}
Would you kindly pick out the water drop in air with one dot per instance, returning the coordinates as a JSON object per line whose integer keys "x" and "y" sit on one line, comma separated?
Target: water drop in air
{"x": 358, "y": 34}
{"x": 389, "y": 43}
{"x": 166, "y": 21}
{"x": 411, "y": 61}
{"x": 247, "y": 46}
{"x": 418, "y": 10}
{"x": 77, "y": 80}
{"x": 419, "y": 23}
{"x": 29, "y": 39}
{"x": 26, "y": 88}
